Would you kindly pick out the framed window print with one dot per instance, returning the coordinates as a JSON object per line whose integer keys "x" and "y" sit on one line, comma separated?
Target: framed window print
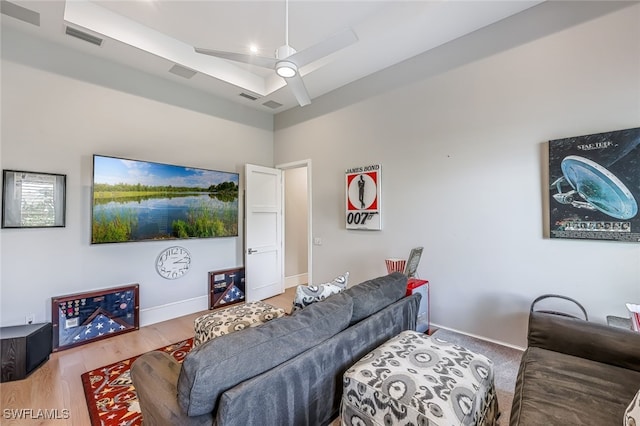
{"x": 32, "y": 199}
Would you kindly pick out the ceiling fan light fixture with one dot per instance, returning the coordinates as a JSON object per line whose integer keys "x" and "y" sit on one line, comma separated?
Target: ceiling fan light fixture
{"x": 286, "y": 69}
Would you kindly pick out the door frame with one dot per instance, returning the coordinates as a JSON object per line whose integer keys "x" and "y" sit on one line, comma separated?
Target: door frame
{"x": 295, "y": 165}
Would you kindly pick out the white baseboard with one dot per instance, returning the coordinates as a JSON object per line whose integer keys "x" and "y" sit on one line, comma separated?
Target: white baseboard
{"x": 295, "y": 280}
{"x": 497, "y": 342}
{"x": 173, "y": 310}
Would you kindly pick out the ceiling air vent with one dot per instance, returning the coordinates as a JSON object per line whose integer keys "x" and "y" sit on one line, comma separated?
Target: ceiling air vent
{"x": 73, "y": 32}
{"x": 272, "y": 104}
{"x": 19, "y": 12}
{"x": 182, "y": 71}
{"x": 248, "y": 96}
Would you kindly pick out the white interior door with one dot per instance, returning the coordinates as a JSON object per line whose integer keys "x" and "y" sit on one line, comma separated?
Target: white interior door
{"x": 264, "y": 262}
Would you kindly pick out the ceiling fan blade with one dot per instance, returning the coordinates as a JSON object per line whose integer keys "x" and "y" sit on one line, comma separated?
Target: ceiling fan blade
{"x": 260, "y": 61}
{"x": 324, "y": 48}
{"x": 299, "y": 91}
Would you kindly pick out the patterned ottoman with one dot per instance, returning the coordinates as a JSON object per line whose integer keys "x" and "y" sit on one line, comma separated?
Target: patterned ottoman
{"x": 234, "y": 318}
{"x": 414, "y": 379}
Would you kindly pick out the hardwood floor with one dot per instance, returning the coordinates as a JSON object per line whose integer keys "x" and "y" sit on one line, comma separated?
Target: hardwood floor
{"x": 57, "y": 387}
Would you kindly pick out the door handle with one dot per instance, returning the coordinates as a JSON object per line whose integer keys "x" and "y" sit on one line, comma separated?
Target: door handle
{"x": 251, "y": 251}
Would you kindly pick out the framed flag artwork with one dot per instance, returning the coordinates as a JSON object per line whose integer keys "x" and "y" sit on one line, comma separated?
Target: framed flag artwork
{"x": 363, "y": 198}
{"x": 86, "y": 317}
{"x": 226, "y": 288}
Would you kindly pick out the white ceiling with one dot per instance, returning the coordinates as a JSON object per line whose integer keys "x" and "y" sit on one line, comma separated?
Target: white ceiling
{"x": 154, "y": 35}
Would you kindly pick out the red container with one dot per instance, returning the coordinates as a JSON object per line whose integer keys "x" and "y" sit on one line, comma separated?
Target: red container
{"x": 415, "y": 285}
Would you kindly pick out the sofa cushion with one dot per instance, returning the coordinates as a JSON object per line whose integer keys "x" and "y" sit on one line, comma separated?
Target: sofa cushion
{"x": 632, "y": 415}
{"x": 585, "y": 339}
{"x": 306, "y": 295}
{"x": 558, "y": 389}
{"x": 371, "y": 296}
{"x": 220, "y": 364}
{"x": 310, "y": 385}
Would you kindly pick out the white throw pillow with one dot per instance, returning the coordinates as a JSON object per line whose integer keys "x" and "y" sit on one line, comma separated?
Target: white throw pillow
{"x": 306, "y": 295}
{"x": 632, "y": 415}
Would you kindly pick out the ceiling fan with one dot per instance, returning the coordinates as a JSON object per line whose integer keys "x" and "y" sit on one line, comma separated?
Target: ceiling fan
{"x": 287, "y": 62}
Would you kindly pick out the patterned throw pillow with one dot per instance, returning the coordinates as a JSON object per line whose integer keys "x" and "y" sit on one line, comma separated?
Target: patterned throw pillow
{"x": 233, "y": 318}
{"x": 306, "y": 295}
{"x": 632, "y": 415}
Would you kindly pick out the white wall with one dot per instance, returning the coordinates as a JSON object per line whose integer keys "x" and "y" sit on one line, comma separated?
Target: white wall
{"x": 296, "y": 226}
{"x": 60, "y": 107}
{"x": 459, "y": 132}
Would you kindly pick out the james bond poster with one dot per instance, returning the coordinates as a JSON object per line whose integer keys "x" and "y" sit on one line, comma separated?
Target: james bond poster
{"x": 363, "y": 198}
{"x": 594, "y": 186}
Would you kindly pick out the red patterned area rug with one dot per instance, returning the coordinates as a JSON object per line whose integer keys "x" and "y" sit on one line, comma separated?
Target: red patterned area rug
{"x": 111, "y": 397}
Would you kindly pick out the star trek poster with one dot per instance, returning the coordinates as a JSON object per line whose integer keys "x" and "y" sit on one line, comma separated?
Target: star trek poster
{"x": 594, "y": 186}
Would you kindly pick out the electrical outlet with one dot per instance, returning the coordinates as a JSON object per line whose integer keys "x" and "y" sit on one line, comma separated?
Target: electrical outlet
{"x": 30, "y": 318}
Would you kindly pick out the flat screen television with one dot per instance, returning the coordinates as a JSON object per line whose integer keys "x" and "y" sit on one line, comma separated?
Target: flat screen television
{"x": 135, "y": 200}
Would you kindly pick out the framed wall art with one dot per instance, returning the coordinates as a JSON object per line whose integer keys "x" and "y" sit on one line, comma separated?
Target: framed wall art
{"x": 86, "y": 317}
{"x": 413, "y": 262}
{"x": 33, "y": 199}
{"x": 363, "y": 198}
{"x": 140, "y": 201}
{"x": 226, "y": 287}
{"x": 594, "y": 186}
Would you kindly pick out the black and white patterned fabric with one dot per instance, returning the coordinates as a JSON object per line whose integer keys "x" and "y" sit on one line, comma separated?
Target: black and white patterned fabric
{"x": 306, "y": 295}
{"x": 233, "y": 318}
{"x": 632, "y": 415}
{"x": 414, "y": 379}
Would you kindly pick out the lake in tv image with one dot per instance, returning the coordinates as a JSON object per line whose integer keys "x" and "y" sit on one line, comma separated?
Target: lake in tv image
{"x": 140, "y": 200}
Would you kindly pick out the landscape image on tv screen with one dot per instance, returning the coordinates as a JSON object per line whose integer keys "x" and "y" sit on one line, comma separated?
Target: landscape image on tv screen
{"x": 141, "y": 201}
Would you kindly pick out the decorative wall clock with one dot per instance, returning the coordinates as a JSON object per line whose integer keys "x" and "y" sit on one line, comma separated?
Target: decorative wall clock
{"x": 173, "y": 262}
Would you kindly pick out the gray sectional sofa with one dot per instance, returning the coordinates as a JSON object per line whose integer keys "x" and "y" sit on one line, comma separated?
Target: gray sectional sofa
{"x": 285, "y": 372}
{"x": 575, "y": 372}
